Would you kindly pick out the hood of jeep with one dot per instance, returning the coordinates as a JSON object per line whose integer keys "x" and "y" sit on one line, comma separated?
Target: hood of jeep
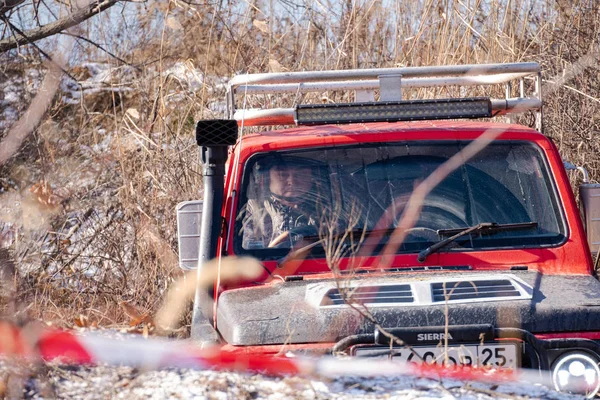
{"x": 311, "y": 311}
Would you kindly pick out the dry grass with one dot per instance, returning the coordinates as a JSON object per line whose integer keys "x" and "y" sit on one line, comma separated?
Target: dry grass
{"x": 111, "y": 237}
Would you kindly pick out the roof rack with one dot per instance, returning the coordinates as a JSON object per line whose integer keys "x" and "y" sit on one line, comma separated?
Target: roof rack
{"x": 389, "y": 82}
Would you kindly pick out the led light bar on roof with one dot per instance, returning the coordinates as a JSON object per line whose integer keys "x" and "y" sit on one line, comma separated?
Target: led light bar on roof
{"x": 392, "y": 111}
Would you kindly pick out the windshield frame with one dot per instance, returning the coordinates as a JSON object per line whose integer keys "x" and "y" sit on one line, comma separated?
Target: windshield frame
{"x": 317, "y": 253}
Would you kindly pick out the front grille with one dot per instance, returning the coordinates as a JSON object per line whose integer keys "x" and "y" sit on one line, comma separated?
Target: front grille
{"x": 473, "y": 290}
{"x": 384, "y": 294}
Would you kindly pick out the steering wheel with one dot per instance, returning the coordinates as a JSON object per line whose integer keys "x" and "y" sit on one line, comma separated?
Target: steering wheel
{"x": 428, "y": 234}
{"x": 307, "y": 230}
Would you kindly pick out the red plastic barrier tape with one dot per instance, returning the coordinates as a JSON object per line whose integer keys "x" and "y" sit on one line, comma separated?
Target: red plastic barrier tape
{"x": 90, "y": 348}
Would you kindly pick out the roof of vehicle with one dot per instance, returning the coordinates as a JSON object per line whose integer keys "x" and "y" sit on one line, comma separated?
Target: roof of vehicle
{"x": 309, "y": 136}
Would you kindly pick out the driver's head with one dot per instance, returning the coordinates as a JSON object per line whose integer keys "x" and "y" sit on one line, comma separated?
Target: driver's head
{"x": 290, "y": 183}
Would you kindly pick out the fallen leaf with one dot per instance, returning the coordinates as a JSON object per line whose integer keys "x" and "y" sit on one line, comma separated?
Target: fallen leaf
{"x": 174, "y": 24}
{"x": 82, "y": 321}
{"x": 137, "y": 317}
{"x": 43, "y": 194}
{"x": 275, "y": 66}
{"x": 133, "y": 113}
{"x": 63, "y": 245}
{"x": 262, "y": 26}
{"x": 131, "y": 311}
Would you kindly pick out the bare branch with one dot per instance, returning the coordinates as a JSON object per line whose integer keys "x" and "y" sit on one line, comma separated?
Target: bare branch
{"x": 7, "y": 5}
{"x": 32, "y": 35}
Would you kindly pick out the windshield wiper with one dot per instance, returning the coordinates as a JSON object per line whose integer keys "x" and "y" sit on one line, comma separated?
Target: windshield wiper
{"x": 483, "y": 227}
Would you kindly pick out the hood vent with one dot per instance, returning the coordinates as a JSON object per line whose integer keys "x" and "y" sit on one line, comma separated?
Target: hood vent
{"x": 473, "y": 290}
{"x": 384, "y": 294}
{"x": 418, "y": 291}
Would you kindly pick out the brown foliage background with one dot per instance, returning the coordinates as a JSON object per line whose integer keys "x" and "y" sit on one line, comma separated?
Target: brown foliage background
{"x": 87, "y": 205}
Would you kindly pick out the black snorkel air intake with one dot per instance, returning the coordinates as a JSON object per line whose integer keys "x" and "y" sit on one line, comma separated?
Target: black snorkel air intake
{"x": 214, "y": 138}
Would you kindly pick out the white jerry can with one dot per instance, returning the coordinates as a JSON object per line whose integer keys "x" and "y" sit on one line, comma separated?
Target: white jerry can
{"x": 189, "y": 220}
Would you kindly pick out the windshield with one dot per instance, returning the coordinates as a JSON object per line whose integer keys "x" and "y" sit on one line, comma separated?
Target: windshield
{"x": 345, "y": 193}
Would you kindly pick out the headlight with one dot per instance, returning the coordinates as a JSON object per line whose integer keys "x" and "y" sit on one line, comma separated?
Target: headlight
{"x": 577, "y": 373}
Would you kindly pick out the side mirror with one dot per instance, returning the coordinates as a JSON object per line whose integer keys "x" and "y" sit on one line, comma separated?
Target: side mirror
{"x": 589, "y": 194}
{"x": 189, "y": 219}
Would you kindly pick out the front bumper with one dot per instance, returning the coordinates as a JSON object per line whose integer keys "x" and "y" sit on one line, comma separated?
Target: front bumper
{"x": 534, "y": 352}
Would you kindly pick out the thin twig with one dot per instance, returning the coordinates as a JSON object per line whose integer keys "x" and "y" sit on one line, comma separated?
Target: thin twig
{"x": 101, "y": 48}
{"x": 42, "y": 52}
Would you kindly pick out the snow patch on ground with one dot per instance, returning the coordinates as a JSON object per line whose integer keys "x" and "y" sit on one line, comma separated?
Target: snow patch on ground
{"x": 187, "y": 74}
{"x": 17, "y": 87}
{"x": 103, "y": 78}
{"x": 129, "y": 383}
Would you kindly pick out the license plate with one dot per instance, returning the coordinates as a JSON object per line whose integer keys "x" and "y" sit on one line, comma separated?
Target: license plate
{"x": 493, "y": 355}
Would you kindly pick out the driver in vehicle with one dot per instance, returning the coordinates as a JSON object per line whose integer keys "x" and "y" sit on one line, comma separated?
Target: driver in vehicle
{"x": 286, "y": 200}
